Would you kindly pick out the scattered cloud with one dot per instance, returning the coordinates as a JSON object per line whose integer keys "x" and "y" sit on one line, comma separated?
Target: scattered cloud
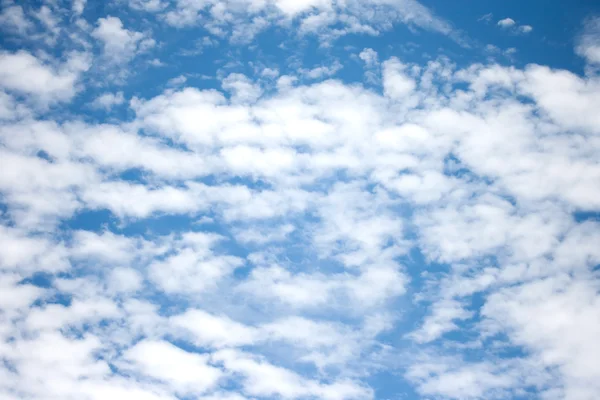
{"x": 177, "y": 81}
{"x": 13, "y": 19}
{"x": 525, "y": 28}
{"x": 78, "y": 6}
{"x": 242, "y": 21}
{"x": 322, "y": 71}
{"x": 108, "y": 100}
{"x": 23, "y": 73}
{"x": 307, "y": 223}
{"x": 120, "y": 44}
{"x": 487, "y": 18}
{"x": 511, "y": 24}
{"x": 587, "y": 46}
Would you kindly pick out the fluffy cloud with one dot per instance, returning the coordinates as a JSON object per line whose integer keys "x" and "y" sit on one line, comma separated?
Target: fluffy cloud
{"x": 243, "y": 20}
{"x": 108, "y": 100}
{"x": 511, "y": 24}
{"x": 120, "y": 44}
{"x": 25, "y": 74}
{"x": 236, "y": 237}
{"x": 506, "y": 23}
{"x": 588, "y": 41}
{"x": 188, "y": 373}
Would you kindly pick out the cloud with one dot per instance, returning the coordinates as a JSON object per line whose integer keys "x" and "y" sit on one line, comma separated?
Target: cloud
{"x": 397, "y": 84}
{"x": 587, "y": 44}
{"x": 242, "y": 21}
{"x": 555, "y": 318}
{"x": 441, "y": 320}
{"x": 177, "y": 81}
{"x": 119, "y": 45}
{"x": 451, "y": 379}
{"x": 369, "y": 56}
{"x": 193, "y": 269}
{"x": 211, "y": 331}
{"x": 11, "y": 109}
{"x": 525, "y": 28}
{"x": 372, "y": 65}
{"x": 78, "y": 6}
{"x": 322, "y": 71}
{"x": 241, "y": 88}
{"x": 511, "y": 24}
{"x": 487, "y": 18}
{"x": 186, "y": 372}
{"x": 246, "y": 238}
{"x": 506, "y": 23}
{"x": 13, "y": 19}
{"x": 108, "y": 100}
{"x": 263, "y": 379}
{"x": 25, "y": 74}
{"x": 148, "y": 5}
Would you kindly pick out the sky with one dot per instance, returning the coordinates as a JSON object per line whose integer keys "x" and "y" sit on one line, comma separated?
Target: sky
{"x": 299, "y": 199}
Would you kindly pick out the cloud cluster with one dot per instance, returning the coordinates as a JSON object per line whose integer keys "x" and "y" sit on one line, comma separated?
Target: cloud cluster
{"x": 274, "y": 239}
{"x": 241, "y": 21}
{"x": 509, "y": 23}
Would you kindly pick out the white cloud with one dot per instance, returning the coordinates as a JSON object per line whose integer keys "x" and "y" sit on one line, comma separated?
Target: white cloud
{"x": 193, "y": 269}
{"x": 177, "y": 81}
{"x": 372, "y": 288}
{"x": 506, "y": 23}
{"x": 207, "y": 330}
{"x": 270, "y": 73}
{"x": 396, "y": 83}
{"x": 120, "y": 44}
{"x": 13, "y": 19}
{"x": 47, "y": 18}
{"x": 293, "y": 8}
{"x": 11, "y": 109}
{"x": 261, "y": 378}
{"x": 38, "y": 191}
{"x": 188, "y": 373}
{"x": 441, "y": 320}
{"x": 114, "y": 148}
{"x": 525, "y": 28}
{"x": 265, "y": 235}
{"x": 487, "y": 18}
{"x": 242, "y": 89}
{"x": 511, "y": 24}
{"x": 588, "y": 45}
{"x": 125, "y": 280}
{"x": 24, "y": 253}
{"x": 322, "y": 71}
{"x": 107, "y": 101}
{"x": 106, "y": 247}
{"x": 148, "y": 5}
{"x": 557, "y": 319}
{"x": 370, "y": 57}
{"x": 331, "y": 186}
{"x": 25, "y": 74}
{"x": 138, "y": 201}
{"x": 15, "y": 298}
{"x": 243, "y": 20}
{"x": 452, "y": 379}
{"x": 78, "y": 6}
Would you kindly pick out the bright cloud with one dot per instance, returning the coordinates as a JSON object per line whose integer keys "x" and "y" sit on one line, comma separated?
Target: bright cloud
{"x": 302, "y": 206}
{"x": 506, "y": 23}
{"x": 588, "y": 46}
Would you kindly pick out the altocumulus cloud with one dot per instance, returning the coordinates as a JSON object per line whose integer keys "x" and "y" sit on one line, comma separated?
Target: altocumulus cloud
{"x": 303, "y": 209}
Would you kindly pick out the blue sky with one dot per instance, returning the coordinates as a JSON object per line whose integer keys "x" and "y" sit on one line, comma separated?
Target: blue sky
{"x": 299, "y": 199}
